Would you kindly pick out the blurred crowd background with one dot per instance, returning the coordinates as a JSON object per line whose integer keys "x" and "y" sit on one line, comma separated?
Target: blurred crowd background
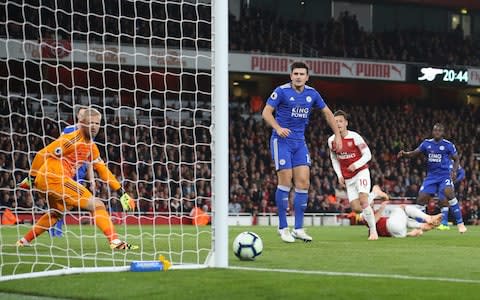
{"x": 162, "y": 155}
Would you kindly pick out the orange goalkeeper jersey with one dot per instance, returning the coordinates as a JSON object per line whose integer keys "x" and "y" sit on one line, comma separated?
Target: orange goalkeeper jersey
{"x": 66, "y": 154}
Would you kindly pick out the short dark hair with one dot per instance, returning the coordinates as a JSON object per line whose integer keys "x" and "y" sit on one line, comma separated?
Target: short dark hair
{"x": 440, "y": 125}
{"x": 298, "y": 65}
{"x": 341, "y": 113}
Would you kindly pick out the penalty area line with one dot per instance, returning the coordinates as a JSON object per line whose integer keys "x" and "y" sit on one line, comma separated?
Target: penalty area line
{"x": 356, "y": 274}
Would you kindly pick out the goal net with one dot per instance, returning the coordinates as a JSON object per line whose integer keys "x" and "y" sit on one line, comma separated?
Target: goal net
{"x": 147, "y": 67}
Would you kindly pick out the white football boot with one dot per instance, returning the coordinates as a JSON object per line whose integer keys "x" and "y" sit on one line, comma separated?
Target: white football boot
{"x": 301, "y": 235}
{"x": 286, "y": 236}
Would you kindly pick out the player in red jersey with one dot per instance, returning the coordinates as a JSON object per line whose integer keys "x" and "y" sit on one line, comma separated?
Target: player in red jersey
{"x": 350, "y": 165}
{"x": 401, "y": 218}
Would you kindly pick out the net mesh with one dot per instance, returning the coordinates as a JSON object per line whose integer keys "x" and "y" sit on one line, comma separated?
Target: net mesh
{"x": 145, "y": 65}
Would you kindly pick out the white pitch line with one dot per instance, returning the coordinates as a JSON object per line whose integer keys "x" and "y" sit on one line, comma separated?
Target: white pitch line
{"x": 355, "y": 274}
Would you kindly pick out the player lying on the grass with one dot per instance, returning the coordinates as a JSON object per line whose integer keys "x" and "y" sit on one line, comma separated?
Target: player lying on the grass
{"x": 401, "y": 219}
{"x": 53, "y": 177}
{"x": 351, "y": 166}
{"x": 439, "y": 153}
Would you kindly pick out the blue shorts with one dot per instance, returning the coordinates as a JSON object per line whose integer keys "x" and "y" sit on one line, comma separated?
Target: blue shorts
{"x": 436, "y": 185}
{"x": 288, "y": 153}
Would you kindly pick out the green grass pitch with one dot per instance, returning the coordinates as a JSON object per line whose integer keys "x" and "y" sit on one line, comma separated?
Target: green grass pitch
{"x": 438, "y": 265}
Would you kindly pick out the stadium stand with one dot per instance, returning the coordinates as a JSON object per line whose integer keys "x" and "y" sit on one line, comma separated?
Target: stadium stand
{"x": 262, "y": 31}
{"x": 253, "y": 178}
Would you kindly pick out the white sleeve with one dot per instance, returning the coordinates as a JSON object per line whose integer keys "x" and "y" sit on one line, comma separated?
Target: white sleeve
{"x": 366, "y": 154}
{"x": 335, "y": 162}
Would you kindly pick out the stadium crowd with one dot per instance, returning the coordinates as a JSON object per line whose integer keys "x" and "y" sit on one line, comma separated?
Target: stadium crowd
{"x": 165, "y": 165}
{"x": 168, "y": 168}
{"x": 387, "y": 129}
{"x": 263, "y": 31}
{"x": 155, "y": 23}
{"x": 188, "y": 25}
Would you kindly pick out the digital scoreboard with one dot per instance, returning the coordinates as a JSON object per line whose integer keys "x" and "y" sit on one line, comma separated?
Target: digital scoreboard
{"x": 441, "y": 75}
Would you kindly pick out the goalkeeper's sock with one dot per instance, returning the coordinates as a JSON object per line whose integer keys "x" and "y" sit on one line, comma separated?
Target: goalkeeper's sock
{"x": 457, "y": 212}
{"x": 281, "y": 199}
{"x": 444, "y": 211}
{"x": 300, "y": 204}
{"x": 103, "y": 221}
{"x": 46, "y": 221}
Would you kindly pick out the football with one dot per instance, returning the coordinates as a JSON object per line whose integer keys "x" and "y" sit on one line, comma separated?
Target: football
{"x": 247, "y": 245}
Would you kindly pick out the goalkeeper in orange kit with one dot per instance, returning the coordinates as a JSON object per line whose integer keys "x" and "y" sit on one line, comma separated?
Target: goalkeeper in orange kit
{"x": 53, "y": 169}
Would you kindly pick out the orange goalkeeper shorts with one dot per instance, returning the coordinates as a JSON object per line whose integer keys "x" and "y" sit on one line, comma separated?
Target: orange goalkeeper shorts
{"x": 63, "y": 193}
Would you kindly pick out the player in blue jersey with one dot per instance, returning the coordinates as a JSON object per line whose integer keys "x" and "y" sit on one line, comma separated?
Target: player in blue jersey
{"x": 84, "y": 172}
{"x": 292, "y": 104}
{"x": 440, "y": 179}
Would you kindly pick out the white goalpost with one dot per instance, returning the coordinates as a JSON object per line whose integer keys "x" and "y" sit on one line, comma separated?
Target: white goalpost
{"x": 158, "y": 73}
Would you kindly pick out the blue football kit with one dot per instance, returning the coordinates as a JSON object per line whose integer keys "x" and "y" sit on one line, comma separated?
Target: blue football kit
{"x": 438, "y": 155}
{"x": 439, "y": 167}
{"x": 292, "y": 111}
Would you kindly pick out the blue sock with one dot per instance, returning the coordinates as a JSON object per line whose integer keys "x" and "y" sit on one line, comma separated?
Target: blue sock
{"x": 300, "y": 204}
{"x": 59, "y": 227}
{"x": 444, "y": 211}
{"x": 281, "y": 199}
{"x": 52, "y": 231}
{"x": 457, "y": 212}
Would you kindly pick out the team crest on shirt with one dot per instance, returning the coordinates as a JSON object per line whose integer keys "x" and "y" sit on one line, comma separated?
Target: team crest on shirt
{"x": 349, "y": 144}
{"x": 441, "y": 148}
{"x": 282, "y": 162}
{"x": 309, "y": 99}
{"x": 274, "y": 96}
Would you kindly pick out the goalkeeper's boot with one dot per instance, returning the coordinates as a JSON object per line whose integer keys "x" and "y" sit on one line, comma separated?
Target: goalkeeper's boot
{"x": 121, "y": 245}
{"x": 286, "y": 235}
{"x": 461, "y": 228}
{"x": 23, "y": 243}
{"x": 26, "y": 183}
{"x": 301, "y": 235}
{"x": 443, "y": 227}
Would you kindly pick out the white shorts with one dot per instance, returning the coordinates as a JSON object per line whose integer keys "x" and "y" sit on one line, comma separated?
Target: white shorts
{"x": 359, "y": 183}
{"x": 397, "y": 223}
